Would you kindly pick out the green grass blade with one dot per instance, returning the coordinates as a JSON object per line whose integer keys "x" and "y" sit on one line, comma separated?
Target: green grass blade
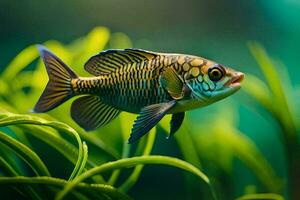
{"x": 50, "y": 181}
{"x": 132, "y": 179}
{"x": 184, "y": 141}
{"x": 247, "y": 152}
{"x": 125, "y": 130}
{"x": 26, "y": 154}
{"x": 125, "y": 153}
{"x": 61, "y": 115}
{"x": 84, "y": 160}
{"x": 76, "y": 194}
{"x": 280, "y": 99}
{"x": 120, "y": 41}
{"x": 7, "y": 168}
{"x": 68, "y": 150}
{"x": 283, "y": 110}
{"x": 11, "y": 157}
{"x": 259, "y": 91}
{"x": 265, "y": 196}
{"x": 22, "y": 60}
{"x": 268, "y": 69}
{"x": 21, "y": 136}
{"x": 97, "y": 142}
{"x": 131, "y": 162}
{"x": 7, "y": 119}
{"x": 4, "y": 89}
{"x": 94, "y": 42}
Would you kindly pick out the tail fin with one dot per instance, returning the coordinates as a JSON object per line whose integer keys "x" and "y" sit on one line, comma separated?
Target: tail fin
{"x": 59, "y": 88}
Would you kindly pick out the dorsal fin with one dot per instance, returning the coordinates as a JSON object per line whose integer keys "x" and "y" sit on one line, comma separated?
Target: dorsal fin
{"x": 109, "y": 61}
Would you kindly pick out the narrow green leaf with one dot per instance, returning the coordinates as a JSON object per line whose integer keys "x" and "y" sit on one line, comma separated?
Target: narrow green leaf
{"x": 91, "y": 44}
{"x": 265, "y": 196}
{"x": 125, "y": 153}
{"x": 7, "y": 168}
{"x": 95, "y": 41}
{"x": 96, "y": 141}
{"x": 83, "y": 162}
{"x": 11, "y": 157}
{"x": 267, "y": 68}
{"x": 280, "y": 100}
{"x": 7, "y": 119}
{"x": 248, "y": 153}
{"x": 23, "y": 59}
{"x": 131, "y": 162}
{"x": 53, "y": 139}
{"x": 29, "y": 156}
{"x": 184, "y": 141}
{"x": 259, "y": 90}
{"x": 120, "y": 41}
{"x": 21, "y": 136}
{"x": 4, "y": 89}
{"x": 126, "y": 120}
{"x": 132, "y": 179}
{"x": 48, "y": 181}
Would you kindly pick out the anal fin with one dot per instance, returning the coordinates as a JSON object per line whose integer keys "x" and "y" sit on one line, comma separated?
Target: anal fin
{"x": 90, "y": 113}
{"x": 175, "y": 123}
{"x": 148, "y": 118}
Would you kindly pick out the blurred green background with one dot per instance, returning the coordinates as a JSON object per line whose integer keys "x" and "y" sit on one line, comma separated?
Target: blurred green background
{"x": 215, "y": 29}
{"x": 218, "y": 30}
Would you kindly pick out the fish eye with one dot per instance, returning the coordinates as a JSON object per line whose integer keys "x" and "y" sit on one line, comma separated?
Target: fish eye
{"x": 215, "y": 73}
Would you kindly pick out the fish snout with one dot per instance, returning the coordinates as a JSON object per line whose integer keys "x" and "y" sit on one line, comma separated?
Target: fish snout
{"x": 236, "y": 79}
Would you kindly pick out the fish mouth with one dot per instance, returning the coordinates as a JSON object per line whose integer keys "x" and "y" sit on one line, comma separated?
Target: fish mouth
{"x": 236, "y": 80}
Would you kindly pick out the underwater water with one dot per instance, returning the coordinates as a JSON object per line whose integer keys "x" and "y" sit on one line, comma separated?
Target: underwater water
{"x": 246, "y": 146}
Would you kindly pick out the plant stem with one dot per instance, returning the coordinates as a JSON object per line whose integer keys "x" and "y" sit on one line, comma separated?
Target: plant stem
{"x": 131, "y": 162}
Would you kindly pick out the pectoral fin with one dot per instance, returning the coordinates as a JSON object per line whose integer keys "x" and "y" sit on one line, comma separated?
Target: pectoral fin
{"x": 148, "y": 118}
{"x": 175, "y": 123}
{"x": 172, "y": 82}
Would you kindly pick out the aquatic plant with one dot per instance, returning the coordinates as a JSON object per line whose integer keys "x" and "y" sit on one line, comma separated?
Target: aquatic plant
{"x": 276, "y": 97}
{"x": 49, "y": 156}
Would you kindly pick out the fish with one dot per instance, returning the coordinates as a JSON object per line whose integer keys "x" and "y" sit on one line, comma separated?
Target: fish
{"x": 138, "y": 81}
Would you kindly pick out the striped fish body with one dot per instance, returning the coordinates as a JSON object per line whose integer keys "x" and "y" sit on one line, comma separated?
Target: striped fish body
{"x": 134, "y": 85}
{"x": 137, "y": 81}
{"x": 129, "y": 88}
